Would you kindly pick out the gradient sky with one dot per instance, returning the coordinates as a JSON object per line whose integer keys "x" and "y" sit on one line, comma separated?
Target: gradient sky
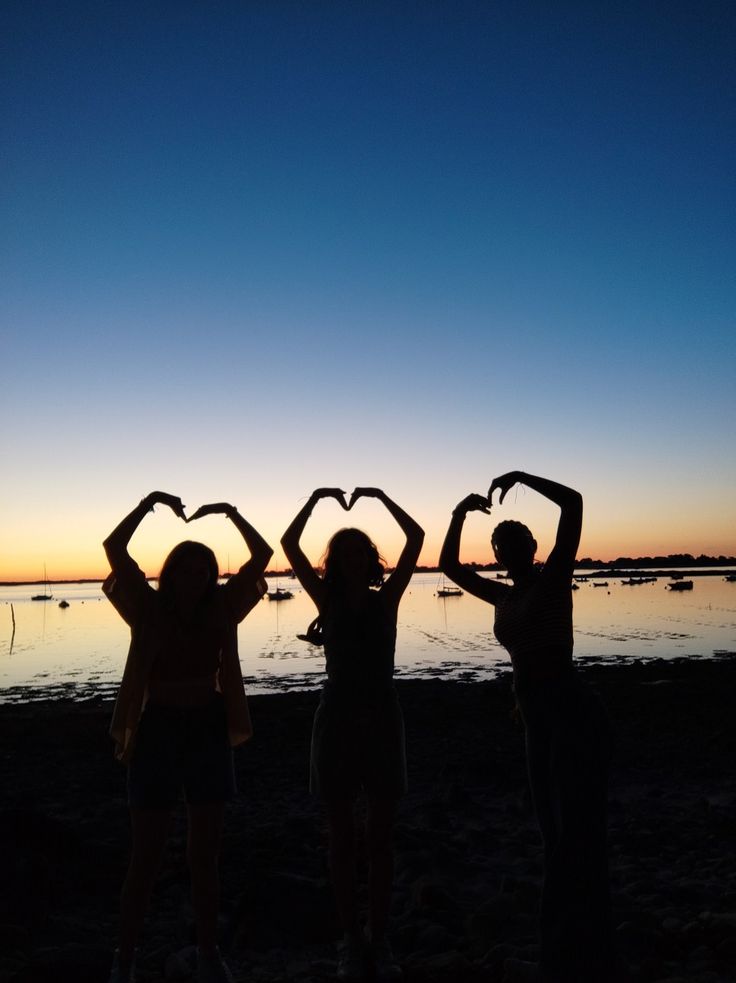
{"x": 251, "y": 248}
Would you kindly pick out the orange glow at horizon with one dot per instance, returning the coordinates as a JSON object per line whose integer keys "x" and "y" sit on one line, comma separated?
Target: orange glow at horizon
{"x": 68, "y": 541}
{"x": 92, "y": 564}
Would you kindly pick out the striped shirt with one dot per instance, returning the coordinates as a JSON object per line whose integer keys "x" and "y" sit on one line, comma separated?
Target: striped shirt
{"x": 533, "y": 622}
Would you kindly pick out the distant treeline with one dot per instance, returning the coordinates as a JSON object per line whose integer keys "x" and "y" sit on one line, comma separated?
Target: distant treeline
{"x": 674, "y": 560}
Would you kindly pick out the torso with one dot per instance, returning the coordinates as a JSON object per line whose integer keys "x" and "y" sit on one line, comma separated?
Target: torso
{"x": 188, "y": 654}
{"x": 533, "y": 622}
{"x": 359, "y": 642}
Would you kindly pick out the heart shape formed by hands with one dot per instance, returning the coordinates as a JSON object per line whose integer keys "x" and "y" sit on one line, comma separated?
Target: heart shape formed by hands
{"x": 176, "y": 505}
{"x": 362, "y": 493}
{"x": 213, "y": 508}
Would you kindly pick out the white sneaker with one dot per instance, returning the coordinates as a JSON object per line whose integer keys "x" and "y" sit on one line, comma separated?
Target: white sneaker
{"x": 385, "y": 966}
{"x": 351, "y": 959}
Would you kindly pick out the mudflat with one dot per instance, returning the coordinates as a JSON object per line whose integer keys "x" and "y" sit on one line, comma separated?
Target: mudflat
{"x": 468, "y": 854}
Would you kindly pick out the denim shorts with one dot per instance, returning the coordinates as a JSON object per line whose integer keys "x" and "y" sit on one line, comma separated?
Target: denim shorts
{"x": 181, "y": 749}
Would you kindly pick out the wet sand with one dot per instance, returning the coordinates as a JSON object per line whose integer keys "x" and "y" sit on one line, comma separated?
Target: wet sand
{"x": 468, "y": 857}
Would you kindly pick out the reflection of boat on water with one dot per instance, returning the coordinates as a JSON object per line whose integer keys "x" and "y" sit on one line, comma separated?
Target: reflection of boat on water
{"x": 47, "y": 595}
{"x": 681, "y": 585}
{"x": 447, "y": 590}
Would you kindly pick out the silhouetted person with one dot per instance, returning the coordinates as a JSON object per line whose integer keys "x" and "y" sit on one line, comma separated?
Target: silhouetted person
{"x": 358, "y": 730}
{"x": 180, "y": 710}
{"x": 567, "y": 735}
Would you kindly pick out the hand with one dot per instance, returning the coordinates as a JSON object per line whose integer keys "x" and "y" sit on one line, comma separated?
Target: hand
{"x": 215, "y": 508}
{"x": 172, "y": 501}
{"x": 364, "y": 493}
{"x": 337, "y": 493}
{"x": 473, "y": 503}
{"x": 504, "y": 482}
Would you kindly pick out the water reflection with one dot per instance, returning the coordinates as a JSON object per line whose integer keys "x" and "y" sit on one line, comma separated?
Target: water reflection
{"x": 81, "y": 650}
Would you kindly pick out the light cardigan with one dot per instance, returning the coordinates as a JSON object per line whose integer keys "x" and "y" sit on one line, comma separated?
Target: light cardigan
{"x": 140, "y": 607}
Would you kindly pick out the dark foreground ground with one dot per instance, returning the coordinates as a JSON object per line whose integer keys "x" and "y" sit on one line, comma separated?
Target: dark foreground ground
{"x": 468, "y": 854}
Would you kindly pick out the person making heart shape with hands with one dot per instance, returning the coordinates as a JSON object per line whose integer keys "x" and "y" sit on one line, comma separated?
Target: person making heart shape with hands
{"x": 358, "y": 729}
{"x": 180, "y": 710}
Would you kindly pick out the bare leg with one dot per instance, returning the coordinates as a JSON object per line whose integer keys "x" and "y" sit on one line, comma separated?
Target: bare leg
{"x": 149, "y": 829}
{"x": 203, "y": 847}
{"x": 341, "y": 822}
{"x": 381, "y": 818}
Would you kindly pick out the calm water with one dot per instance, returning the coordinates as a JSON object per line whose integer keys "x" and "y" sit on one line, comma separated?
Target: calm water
{"x": 80, "y": 650}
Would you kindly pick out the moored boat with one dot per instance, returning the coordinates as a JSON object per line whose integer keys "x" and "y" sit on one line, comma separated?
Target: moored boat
{"x": 681, "y": 585}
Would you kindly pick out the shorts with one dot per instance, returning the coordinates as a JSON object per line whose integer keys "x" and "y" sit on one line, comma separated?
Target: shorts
{"x": 358, "y": 747}
{"x": 181, "y": 748}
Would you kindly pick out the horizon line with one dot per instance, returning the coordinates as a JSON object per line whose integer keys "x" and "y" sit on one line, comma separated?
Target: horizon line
{"x": 672, "y": 560}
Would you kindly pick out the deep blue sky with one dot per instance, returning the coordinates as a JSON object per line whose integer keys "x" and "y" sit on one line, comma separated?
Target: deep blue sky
{"x": 250, "y": 248}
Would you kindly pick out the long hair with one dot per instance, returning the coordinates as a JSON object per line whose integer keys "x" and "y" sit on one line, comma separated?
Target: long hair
{"x": 330, "y": 563}
{"x": 183, "y": 551}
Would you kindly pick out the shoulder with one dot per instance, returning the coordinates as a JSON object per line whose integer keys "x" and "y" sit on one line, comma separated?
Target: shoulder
{"x": 555, "y": 576}
{"x": 241, "y": 592}
{"x": 128, "y": 590}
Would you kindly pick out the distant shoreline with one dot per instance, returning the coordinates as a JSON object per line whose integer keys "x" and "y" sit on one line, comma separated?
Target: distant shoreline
{"x": 701, "y": 566}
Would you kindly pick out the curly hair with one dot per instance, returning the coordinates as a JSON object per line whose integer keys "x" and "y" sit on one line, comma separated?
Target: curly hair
{"x": 330, "y": 562}
{"x": 512, "y": 533}
{"x": 184, "y": 551}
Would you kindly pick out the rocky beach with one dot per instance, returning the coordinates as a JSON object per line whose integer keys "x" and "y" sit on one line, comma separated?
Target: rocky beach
{"x": 468, "y": 855}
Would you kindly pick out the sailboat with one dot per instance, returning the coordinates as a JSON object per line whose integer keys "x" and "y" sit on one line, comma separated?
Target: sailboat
{"x": 47, "y": 595}
{"x": 447, "y": 590}
{"x": 279, "y": 594}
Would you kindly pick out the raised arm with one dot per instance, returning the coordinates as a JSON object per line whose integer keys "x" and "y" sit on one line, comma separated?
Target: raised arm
{"x": 116, "y": 544}
{"x": 450, "y": 565}
{"x": 290, "y": 542}
{"x": 260, "y": 551}
{"x": 243, "y": 588}
{"x": 570, "y": 502}
{"x": 399, "y": 579}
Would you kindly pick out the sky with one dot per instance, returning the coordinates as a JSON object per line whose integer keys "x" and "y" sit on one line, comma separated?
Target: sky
{"x": 253, "y": 248}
